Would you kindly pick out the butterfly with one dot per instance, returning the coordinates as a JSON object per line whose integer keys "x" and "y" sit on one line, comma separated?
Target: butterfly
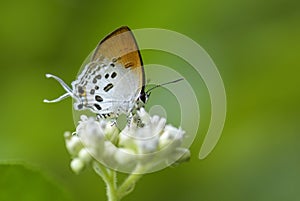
{"x": 112, "y": 82}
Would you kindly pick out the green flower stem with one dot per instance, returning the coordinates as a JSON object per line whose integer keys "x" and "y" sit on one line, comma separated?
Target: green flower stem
{"x": 109, "y": 177}
{"x": 129, "y": 183}
{"x": 112, "y": 186}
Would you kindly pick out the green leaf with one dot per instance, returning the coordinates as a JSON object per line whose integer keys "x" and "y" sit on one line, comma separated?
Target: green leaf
{"x": 18, "y": 182}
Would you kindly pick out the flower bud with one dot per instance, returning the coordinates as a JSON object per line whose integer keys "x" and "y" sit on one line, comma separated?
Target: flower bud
{"x": 180, "y": 155}
{"x": 73, "y": 145}
{"x": 77, "y": 165}
{"x": 84, "y": 156}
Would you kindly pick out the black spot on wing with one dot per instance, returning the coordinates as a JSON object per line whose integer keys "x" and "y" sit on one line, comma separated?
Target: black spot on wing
{"x": 98, "y": 98}
{"x": 113, "y": 75}
{"x": 98, "y": 77}
{"x": 108, "y": 87}
{"x": 106, "y": 115}
{"x": 80, "y": 90}
{"x": 98, "y": 107}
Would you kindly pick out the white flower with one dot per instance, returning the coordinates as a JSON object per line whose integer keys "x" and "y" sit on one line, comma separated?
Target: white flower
{"x": 145, "y": 140}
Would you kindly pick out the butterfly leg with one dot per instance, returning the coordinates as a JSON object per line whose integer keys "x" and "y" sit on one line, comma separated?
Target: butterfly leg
{"x": 114, "y": 122}
{"x": 129, "y": 119}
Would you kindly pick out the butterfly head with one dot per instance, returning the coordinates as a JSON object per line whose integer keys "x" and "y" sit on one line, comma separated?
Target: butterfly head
{"x": 144, "y": 96}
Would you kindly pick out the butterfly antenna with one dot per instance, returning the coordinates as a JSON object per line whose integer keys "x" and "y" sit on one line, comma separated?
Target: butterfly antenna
{"x": 64, "y": 85}
{"x": 166, "y": 83}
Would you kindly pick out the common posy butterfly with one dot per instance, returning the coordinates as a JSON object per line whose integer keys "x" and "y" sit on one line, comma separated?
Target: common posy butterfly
{"x": 112, "y": 81}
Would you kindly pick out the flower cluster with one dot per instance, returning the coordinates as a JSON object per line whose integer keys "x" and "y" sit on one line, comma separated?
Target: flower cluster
{"x": 146, "y": 142}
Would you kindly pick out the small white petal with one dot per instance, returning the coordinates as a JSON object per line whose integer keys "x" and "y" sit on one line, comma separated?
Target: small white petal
{"x": 109, "y": 149}
{"x": 124, "y": 156}
{"x": 127, "y": 141}
{"x": 145, "y": 117}
{"x": 91, "y": 133}
{"x": 175, "y": 131}
{"x": 158, "y": 125}
{"x": 155, "y": 119}
{"x": 164, "y": 140}
{"x": 146, "y": 141}
{"x": 147, "y": 146}
{"x": 171, "y": 135}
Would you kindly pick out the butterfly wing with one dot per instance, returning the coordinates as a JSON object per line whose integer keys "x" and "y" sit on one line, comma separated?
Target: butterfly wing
{"x": 114, "y": 79}
{"x": 121, "y": 45}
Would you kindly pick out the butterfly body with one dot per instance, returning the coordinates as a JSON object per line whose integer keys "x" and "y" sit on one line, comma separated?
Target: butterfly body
{"x": 112, "y": 81}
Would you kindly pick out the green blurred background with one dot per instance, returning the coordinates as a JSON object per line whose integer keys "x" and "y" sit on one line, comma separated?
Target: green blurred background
{"x": 255, "y": 44}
